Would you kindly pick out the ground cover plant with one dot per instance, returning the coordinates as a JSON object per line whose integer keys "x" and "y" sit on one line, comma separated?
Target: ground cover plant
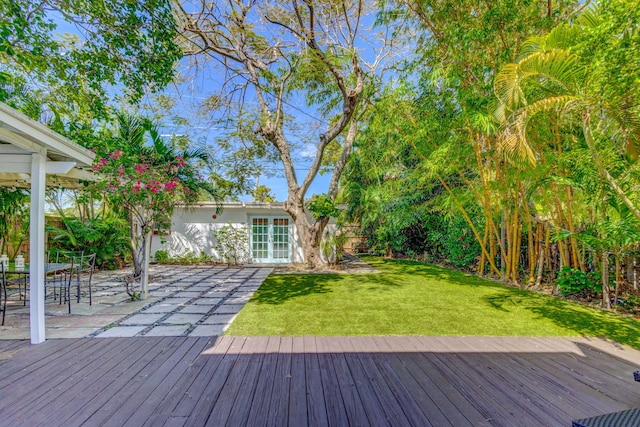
{"x": 413, "y": 298}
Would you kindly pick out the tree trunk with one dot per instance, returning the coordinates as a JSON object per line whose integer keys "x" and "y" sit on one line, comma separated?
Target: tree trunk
{"x": 135, "y": 252}
{"x": 310, "y": 234}
{"x": 606, "y": 302}
{"x": 144, "y": 278}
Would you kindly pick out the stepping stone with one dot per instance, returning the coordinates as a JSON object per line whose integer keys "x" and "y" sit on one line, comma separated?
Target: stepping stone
{"x": 176, "y": 301}
{"x": 199, "y": 288}
{"x": 159, "y": 308}
{"x": 186, "y": 294}
{"x": 242, "y": 299}
{"x": 229, "y": 309}
{"x": 207, "y": 301}
{"x": 241, "y": 293}
{"x": 219, "y": 319}
{"x": 167, "y": 331}
{"x": 180, "y": 319}
{"x": 208, "y": 330}
{"x": 121, "y": 332}
{"x": 197, "y": 309}
{"x": 216, "y": 294}
{"x": 142, "y": 319}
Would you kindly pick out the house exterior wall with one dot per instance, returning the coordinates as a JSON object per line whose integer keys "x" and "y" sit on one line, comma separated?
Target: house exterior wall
{"x": 192, "y": 228}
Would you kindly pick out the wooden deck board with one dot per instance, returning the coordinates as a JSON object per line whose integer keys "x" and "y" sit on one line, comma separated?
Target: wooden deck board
{"x": 264, "y": 384}
{"x": 297, "y": 381}
{"x": 156, "y": 388}
{"x": 73, "y": 390}
{"x": 112, "y": 383}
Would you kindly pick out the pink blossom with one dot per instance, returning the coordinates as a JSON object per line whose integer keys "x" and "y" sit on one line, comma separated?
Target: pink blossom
{"x": 116, "y": 154}
{"x": 96, "y": 167}
{"x": 103, "y": 161}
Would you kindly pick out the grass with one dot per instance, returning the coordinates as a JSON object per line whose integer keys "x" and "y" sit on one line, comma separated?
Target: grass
{"x": 410, "y": 298}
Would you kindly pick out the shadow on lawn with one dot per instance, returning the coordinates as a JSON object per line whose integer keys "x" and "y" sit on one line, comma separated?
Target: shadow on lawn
{"x": 591, "y": 323}
{"x": 280, "y": 288}
{"x": 430, "y": 271}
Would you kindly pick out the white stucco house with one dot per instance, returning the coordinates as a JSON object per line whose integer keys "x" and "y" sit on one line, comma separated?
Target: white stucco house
{"x": 272, "y": 235}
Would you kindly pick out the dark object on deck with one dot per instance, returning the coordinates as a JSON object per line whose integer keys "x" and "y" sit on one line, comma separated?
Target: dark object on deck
{"x": 636, "y": 375}
{"x": 628, "y": 418}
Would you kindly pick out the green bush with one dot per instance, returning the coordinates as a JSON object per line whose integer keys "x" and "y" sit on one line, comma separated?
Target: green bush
{"x": 107, "y": 237}
{"x": 232, "y": 243}
{"x": 161, "y": 256}
{"x": 572, "y": 282}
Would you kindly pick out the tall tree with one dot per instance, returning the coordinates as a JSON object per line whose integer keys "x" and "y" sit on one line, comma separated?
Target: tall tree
{"x": 105, "y": 43}
{"x": 279, "y": 52}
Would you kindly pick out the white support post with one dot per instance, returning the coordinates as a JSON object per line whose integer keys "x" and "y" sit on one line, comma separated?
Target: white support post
{"x": 36, "y": 251}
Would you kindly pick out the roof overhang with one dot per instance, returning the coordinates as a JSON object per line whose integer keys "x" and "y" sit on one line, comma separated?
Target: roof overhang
{"x": 20, "y": 137}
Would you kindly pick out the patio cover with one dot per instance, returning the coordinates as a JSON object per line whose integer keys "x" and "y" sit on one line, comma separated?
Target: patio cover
{"x": 32, "y": 155}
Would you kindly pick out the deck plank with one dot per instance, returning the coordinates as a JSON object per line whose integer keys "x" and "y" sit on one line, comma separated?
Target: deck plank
{"x": 117, "y": 410}
{"x": 221, "y": 408}
{"x": 199, "y": 413}
{"x": 58, "y": 375}
{"x": 156, "y": 388}
{"x": 298, "y": 390}
{"x": 260, "y": 381}
{"x": 279, "y": 404}
{"x": 242, "y": 404}
{"x": 257, "y": 415}
{"x": 114, "y": 380}
{"x": 186, "y": 391}
{"x": 316, "y": 404}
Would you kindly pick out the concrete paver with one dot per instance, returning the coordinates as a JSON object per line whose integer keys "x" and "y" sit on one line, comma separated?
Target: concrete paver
{"x": 121, "y": 331}
{"x": 142, "y": 319}
{"x": 184, "y": 300}
{"x": 208, "y": 330}
{"x": 181, "y": 319}
{"x": 196, "y": 309}
{"x": 167, "y": 331}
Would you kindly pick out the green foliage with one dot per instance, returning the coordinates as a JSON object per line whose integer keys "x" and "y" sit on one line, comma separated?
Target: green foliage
{"x": 262, "y": 193}
{"x": 232, "y": 243}
{"x": 161, "y": 256}
{"x": 577, "y": 283}
{"x": 14, "y": 209}
{"x": 322, "y": 206}
{"x": 132, "y": 44}
{"x": 332, "y": 245}
{"x": 107, "y": 237}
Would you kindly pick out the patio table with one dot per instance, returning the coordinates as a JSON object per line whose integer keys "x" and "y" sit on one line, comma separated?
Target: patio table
{"x": 49, "y": 268}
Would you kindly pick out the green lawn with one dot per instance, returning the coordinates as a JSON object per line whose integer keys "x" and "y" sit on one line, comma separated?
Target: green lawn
{"x": 410, "y": 298}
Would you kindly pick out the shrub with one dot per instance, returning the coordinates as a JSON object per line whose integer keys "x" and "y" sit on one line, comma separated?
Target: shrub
{"x": 161, "y": 256}
{"x": 232, "y": 243}
{"x": 572, "y": 282}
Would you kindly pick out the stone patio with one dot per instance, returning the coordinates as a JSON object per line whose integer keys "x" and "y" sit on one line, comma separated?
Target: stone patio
{"x": 184, "y": 300}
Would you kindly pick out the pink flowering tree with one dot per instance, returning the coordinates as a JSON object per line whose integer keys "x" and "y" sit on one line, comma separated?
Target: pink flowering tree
{"x": 147, "y": 181}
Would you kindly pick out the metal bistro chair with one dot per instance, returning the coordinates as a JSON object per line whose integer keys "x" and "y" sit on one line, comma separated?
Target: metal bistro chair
{"x": 61, "y": 281}
{"x": 3, "y": 292}
{"x": 84, "y": 274}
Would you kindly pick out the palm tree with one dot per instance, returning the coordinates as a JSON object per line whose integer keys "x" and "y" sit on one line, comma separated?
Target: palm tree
{"x": 551, "y": 76}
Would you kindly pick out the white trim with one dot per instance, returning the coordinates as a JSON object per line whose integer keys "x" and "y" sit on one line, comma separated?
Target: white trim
{"x": 33, "y": 136}
{"x": 270, "y": 239}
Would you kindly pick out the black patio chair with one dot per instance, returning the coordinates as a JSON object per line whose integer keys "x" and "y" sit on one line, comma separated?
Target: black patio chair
{"x": 84, "y": 274}
{"x": 60, "y": 282}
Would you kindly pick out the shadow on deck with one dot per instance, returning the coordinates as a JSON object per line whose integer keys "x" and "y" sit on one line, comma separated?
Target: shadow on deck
{"x": 297, "y": 381}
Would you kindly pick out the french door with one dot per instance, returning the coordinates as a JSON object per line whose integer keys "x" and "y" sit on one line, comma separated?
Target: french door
{"x": 270, "y": 239}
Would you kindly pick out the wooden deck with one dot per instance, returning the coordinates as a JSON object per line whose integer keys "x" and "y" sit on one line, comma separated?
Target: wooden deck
{"x": 318, "y": 381}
